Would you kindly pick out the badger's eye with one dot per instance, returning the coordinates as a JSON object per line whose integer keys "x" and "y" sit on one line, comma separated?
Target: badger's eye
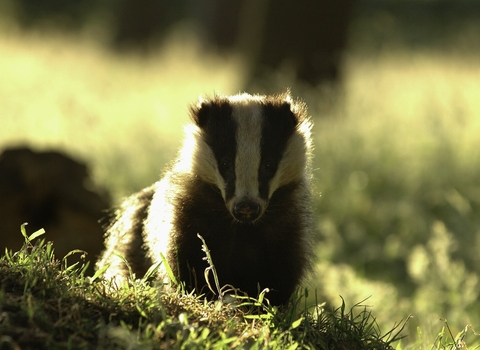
{"x": 225, "y": 164}
{"x": 267, "y": 168}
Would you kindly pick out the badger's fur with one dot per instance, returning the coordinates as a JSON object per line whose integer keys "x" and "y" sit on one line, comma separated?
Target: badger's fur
{"x": 242, "y": 181}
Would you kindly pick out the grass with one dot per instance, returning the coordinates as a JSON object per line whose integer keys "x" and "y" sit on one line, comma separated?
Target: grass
{"x": 397, "y": 178}
{"x": 47, "y": 304}
{"x": 399, "y": 175}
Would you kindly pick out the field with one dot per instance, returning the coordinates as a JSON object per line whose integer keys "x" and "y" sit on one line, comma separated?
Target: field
{"x": 397, "y": 156}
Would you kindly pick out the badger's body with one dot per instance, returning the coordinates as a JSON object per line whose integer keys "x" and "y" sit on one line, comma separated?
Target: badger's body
{"x": 242, "y": 181}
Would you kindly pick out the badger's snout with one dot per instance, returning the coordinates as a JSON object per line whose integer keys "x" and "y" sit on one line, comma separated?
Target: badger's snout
{"x": 246, "y": 211}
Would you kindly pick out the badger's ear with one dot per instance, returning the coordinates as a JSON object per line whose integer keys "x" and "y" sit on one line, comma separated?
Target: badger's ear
{"x": 282, "y": 107}
{"x": 200, "y": 112}
{"x": 287, "y": 112}
{"x": 207, "y": 109}
{"x": 297, "y": 108}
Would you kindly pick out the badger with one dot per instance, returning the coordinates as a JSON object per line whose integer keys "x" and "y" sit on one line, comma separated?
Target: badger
{"x": 242, "y": 181}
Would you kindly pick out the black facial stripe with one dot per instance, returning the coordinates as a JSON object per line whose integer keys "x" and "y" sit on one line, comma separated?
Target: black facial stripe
{"x": 219, "y": 127}
{"x": 279, "y": 124}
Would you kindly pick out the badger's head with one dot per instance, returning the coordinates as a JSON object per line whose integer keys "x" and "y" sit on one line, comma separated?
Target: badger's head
{"x": 248, "y": 147}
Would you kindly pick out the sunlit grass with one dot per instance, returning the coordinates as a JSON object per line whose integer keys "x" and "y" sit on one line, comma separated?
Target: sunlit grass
{"x": 398, "y": 166}
{"x": 47, "y": 303}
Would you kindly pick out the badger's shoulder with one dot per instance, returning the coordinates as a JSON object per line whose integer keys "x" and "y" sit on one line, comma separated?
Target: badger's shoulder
{"x": 125, "y": 236}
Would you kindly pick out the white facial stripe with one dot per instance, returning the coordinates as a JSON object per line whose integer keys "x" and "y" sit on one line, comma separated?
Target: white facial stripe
{"x": 197, "y": 157}
{"x": 295, "y": 158}
{"x": 248, "y": 117}
{"x": 292, "y": 164}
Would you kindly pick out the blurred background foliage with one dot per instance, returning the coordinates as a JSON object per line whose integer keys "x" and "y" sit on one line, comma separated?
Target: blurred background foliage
{"x": 393, "y": 87}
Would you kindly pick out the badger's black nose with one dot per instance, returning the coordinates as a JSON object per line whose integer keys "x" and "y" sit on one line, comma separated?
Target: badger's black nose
{"x": 246, "y": 211}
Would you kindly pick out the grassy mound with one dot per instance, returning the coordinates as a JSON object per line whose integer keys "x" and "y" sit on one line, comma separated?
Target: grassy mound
{"x": 47, "y": 304}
